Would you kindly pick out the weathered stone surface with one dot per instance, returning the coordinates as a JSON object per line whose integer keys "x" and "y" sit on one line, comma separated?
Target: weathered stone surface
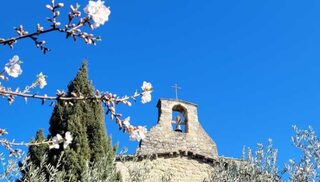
{"x": 188, "y": 168}
{"x": 178, "y": 156}
{"x": 162, "y": 137}
{"x": 178, "y": 169}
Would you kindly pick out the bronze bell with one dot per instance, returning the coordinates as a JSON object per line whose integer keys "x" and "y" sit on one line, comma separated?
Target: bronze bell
{"x": 178, "y": 128}
{"x": 178, "y": 122}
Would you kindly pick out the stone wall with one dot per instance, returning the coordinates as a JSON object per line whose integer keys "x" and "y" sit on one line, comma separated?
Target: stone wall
{"x": 186, "y": 167}
{"x": 179, "y": 169}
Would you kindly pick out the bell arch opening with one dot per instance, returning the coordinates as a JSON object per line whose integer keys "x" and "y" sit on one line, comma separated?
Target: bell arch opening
{"x": 180, "y": 119}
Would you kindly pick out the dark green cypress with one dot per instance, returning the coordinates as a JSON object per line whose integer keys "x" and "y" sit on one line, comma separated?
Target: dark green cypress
{"x": 85, "y": 121}
{"x": 37, "y": 153}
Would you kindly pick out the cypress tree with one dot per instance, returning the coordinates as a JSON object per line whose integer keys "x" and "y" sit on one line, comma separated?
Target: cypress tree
{"x": 85, "y": 121}
{"x": 36, "y": 153}
{"x": 36, "y": 156}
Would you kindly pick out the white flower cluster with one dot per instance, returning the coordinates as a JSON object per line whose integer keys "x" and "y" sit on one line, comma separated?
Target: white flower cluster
{"x": 98, "y": 12}
{"x": 13, "y": 68}
{"x": 57, "y": 140}
{"x": 146, "y": 94}
{"x": 41, "y": 80}
{"x": 111, "y": 100}
{"x": 136, "y": 133}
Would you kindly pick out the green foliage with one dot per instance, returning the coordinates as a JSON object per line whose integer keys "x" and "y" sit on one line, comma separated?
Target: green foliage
{"x": 99, "y": 171}
{"x": 85, "y": 121}
{"x": 37, "y": 153}
{"x": 237, "y": 170}
{"x": 42, "y": 172}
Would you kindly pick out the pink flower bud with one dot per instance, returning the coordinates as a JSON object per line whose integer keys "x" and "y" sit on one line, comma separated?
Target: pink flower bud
{"x": 49, "y": 7}
{"x": 60, "y": 5}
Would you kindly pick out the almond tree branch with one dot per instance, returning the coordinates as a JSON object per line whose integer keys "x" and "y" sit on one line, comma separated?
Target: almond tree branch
{"x": 65, "y": 98}
{"x": 14, "y": 39}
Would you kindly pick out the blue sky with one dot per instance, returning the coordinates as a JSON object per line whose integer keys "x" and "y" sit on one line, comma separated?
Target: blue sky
{"x": 251, "y": 66}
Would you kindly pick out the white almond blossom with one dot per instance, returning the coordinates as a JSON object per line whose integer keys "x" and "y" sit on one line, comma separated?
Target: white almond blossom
{"x": 68, "y": 139}
{"x": 146, "y": 97}
{"x": 13, "y": 68}
{"x": 138, "y": 134}
{"x": 41, "y": 80}
{"x": 146, "y": 94}
{"x": 126, "y": 122}
{"x": 98, "y": 12}
{"x": 134, "y": 136}
{"x": 56, "y": 140}
{"x": 146, "y": 86}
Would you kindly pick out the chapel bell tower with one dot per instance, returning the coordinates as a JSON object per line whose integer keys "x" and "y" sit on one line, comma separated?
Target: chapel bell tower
{"x": 178, "y": 130}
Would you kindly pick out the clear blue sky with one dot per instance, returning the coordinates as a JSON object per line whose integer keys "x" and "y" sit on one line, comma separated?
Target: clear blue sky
{"x": 251, "y": 66}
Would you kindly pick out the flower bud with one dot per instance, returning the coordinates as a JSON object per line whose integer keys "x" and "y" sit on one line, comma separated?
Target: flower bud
{"x": 72, "y": 8}
{"x": 39, "y": 28}
{"x": 56, "y": 13}
{"x": 60, "y": 5}
{"x": 91, "y": 26}
{"x": 49, "y": 7}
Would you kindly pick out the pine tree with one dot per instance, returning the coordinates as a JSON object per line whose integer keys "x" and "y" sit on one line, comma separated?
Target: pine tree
{"x": 85, "y": 121}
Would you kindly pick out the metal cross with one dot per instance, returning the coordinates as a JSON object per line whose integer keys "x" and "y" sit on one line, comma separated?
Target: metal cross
{"x": 176, "y": 89}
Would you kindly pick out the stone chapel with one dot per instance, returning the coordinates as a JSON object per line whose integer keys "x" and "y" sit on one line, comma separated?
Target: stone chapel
{"x": 177, "y": 147}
